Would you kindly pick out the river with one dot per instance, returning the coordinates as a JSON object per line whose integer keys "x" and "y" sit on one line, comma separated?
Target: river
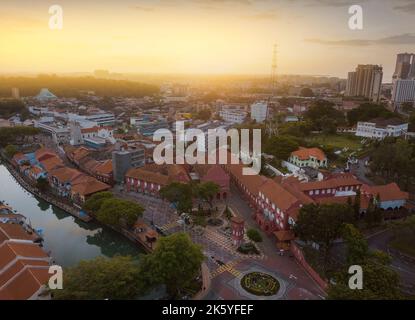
{"x": 69, "y": 240}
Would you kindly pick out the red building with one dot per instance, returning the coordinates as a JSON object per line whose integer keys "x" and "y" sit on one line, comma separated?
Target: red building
{"x": 216, "y": 174}
{"x": 238, "y": 231}
{"x": 151, "y": 178}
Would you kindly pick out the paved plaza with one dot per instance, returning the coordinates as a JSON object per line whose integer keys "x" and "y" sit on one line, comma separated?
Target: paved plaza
{"x": 226, "y": 265}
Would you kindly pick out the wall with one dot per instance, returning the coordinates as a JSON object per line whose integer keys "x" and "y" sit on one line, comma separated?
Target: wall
{"x": 298, "y": 254}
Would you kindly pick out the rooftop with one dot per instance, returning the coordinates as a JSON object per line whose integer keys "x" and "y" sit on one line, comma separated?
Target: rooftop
{"x": 307, "y": 153}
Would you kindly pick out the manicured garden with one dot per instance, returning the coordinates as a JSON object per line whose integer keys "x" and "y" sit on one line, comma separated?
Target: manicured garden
{"x": 339, "y": 141}
{"x": 260, "y": 284}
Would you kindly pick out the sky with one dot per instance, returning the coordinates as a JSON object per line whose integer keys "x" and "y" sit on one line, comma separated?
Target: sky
{"x": 204, "y": 36}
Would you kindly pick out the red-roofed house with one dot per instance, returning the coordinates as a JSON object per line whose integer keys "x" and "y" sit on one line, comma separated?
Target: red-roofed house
{"x": 308, "y": 157}
{"x": 390, "y": 196}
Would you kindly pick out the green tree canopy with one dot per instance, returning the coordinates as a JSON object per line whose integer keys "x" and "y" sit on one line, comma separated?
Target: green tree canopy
{"x": 254, "y": 235}
{"x": 206, "y": 191}
{"x": 42, "y": 184}
{"x": 10, "y": 150}
{"x": 175, "y": 262}
{"x": 323, "y": 224}
{"x": 281, "y": 146}
{"x": 324, "y": 117}
{"x": 357, "y": 247}
{"x": 101, "y": 278}
{"x": 19, "y": 134}
{"x": 11, "y": 107}
{"x": 394, "y": 159}
{"x": 204, "y": 115}
{"x": 368, "y": 111}
{"x": 119, "y": 212}
{"x": 306, "y": 92}
{"x": 180, "y": 194}
{"x": 93, "y": 203}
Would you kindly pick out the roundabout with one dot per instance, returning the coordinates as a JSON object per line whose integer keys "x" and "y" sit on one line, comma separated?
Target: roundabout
{"x": 260, "y": 284}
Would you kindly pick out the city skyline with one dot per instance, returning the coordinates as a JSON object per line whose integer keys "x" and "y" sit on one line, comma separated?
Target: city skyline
{"x": 205, "y": 36}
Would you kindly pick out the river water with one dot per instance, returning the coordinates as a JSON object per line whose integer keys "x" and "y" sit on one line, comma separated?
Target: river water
{"x": 68, "y": 239}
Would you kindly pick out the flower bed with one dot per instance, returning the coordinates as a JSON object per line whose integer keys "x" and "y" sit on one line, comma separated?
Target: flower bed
{"x": 260, "y": 284}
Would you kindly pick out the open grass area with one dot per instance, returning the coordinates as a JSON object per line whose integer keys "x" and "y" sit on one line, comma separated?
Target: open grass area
{"x": 404, "y": 242}
{"x": 338, "y": 141}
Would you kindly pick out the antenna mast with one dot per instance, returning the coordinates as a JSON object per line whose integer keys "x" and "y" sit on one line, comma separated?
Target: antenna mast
{"x": 271, "y": 126}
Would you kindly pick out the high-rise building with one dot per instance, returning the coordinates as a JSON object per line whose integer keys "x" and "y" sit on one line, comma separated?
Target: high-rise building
{"x": 259, "y": 111}
{"x": 366, "y": 82}
{"x": 405, "y": 66}
{"x": 15, "y": 93}
{"x": 403, "y": 89}
{"x": 125, "y": 159}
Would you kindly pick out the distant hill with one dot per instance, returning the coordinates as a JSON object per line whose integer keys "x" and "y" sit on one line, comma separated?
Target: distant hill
{"x": 71, "y": 86}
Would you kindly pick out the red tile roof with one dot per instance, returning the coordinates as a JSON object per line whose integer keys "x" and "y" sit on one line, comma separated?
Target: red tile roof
{"x": 65, "y": 174}
{"x": 148, "y": 176}
{"x": 51, "y": 163}
{"x": 307, "y": 153}
{"x": 44, "y": 153}
{"x": 88, "y": 186}
{"x": 330, "y": 184}
{"x": 283, "y": 199}
{"x": 389, "y": 192}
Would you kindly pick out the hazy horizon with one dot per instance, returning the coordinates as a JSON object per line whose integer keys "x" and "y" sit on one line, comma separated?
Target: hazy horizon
{"x": 204, "y": 37}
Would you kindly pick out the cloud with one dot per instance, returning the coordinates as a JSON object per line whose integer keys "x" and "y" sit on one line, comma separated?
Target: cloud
{"x": 406, "y": 38}
{"x": 330, "y": 3}
{"x": 141, "y": 8}
{"x": 408, "y": 7}
{"x": 262, "y": 16}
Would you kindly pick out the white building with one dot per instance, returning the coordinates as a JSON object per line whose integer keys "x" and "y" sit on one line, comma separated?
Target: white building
{"x": 101, "y": 119}
{"x": 60, "y": 134}
{"x": 233, "y": 115}
{"x": 80, "y": 135}
{"x": 259, "y": 111}
{"x": 381, "y": 128}
{"x": 403, "y": 91}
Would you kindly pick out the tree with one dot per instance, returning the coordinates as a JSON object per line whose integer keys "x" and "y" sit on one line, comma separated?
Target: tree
{"x": 19, "y": 134}
{"x": 207, "y": 191}
{"x": 175, "y": 262}
{"x": 254, "y": 235}
{"x": 180, "y": 194}
{"x": 93, "y": 203}
{"x": 408, "y": 107}
{"x": 394, "y": 159}
{"x": 373, "y": 215}
{"x": 322, "y": 224}
{"x": 42, "y": 184}
{"x": 356, "y": 204}
{"x": 281, "y": 146}
{"x": 119, "y": 212}
{"x": 380, "y": 282}
{"x": 101, "y": 278}
{"x": 10, "y": 150}
{"x": 324, "y": 117}
{"x": 357, "y": 247}
{"x": 368, "y": 111}
{"x": 11, "y": 107}
{"x": 204, "y": 114}
{"x": 411, "y": 122}
{"x": 306, "y": 92}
